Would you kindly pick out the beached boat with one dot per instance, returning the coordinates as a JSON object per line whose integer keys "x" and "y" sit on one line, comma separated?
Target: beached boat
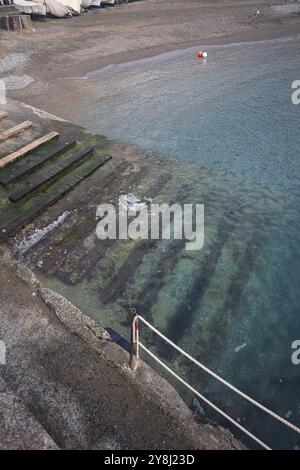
{"x": 58, "y": 8}
{"x": 87, "y": 3}
{"x": 30, "y": 8}
{"x": 95, "y": 4}
{"x": 113, "y": 2}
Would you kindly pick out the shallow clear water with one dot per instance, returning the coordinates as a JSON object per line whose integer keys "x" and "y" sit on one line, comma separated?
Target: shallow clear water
{"x": 231, "y": 113}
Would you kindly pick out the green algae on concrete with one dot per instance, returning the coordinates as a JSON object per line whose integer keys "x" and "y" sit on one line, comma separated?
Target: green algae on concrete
{"x": 192, "y": 296}
{"x": 14, "y": 214}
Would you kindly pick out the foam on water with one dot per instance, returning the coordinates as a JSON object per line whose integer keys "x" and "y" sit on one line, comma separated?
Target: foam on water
{"x": 37, "y": 235}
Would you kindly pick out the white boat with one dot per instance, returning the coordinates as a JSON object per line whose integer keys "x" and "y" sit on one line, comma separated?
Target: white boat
{"x": 96, "y": 4}
{"x": 113, "y": 2}
{"x": 30, "y": 8}
{"x": 86, "y": 3}
{"x": 58, "y": 8}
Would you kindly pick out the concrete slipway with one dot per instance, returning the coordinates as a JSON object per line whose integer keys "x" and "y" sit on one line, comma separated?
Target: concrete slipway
{"x": 65, "y": 383}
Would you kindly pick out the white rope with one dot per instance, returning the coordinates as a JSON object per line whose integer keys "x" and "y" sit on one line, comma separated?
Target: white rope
{"x": 205, "y": 399}
{"x": 213, "y": 374}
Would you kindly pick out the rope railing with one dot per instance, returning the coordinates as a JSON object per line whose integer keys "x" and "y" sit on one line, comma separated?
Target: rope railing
{"x": 136, "y": 343}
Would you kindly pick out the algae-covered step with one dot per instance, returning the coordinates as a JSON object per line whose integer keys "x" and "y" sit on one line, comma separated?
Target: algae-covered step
{"x": 105, "y": 261}
{"x": 18, "y": 170}
{"x": 14, "y": 218}
{"x": 44, "y": 176}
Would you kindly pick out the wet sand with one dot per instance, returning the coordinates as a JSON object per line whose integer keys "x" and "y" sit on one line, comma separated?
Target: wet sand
{"x": 76, "y": 46}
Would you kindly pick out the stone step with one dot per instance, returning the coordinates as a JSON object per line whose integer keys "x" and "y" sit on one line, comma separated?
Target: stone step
{"x": 19, "y": 169}
{"x": 44, "y": 176}
{"x": 19, "y": 216}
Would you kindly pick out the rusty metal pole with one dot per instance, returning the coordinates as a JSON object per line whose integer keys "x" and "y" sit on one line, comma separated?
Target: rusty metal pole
{"x": 134, "y": 352}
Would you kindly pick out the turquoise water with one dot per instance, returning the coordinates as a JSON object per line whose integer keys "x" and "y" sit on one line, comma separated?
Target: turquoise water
{"x": 231, "y": 113}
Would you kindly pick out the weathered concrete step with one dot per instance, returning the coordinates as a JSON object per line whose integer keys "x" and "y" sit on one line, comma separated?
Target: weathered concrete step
{"x": 28, "y": 212}
{"x": 220, "y": 302}
{"x": 170, "y": 290}
{"x": 69, "y": 258}
{"x": 143, "y": 272}
{"x": 81, "y": 223}
{"x": 14, "y": 172}
{"x": 118, "y": 284}
{"x": 67, "y": 238}
{"x": 19, "y": 429}
{"x": 46, "y": 175}
{"x": 78, "y": 264}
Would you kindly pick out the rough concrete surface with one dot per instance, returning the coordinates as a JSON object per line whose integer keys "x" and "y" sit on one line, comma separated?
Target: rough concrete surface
{"x": 73, "y": 386}
{"x": 19, "y": 429}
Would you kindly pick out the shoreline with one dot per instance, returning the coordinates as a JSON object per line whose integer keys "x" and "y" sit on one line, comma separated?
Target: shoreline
{"x": 36, "y": 93}
{"x": 130, "y": 32}
{"x": 145, "y": 58}
{"x": 91, "y": 66}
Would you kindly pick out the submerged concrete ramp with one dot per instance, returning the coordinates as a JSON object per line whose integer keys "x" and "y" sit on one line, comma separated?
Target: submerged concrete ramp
{"x": 193, "y": 297}
{"x": 71, "y": 385}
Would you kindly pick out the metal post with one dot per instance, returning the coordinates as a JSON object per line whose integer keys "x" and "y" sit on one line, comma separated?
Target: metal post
{"x": 134, "y": 353}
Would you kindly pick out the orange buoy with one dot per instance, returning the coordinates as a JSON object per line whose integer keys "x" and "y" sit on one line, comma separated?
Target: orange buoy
{"x": 200, "y": 54}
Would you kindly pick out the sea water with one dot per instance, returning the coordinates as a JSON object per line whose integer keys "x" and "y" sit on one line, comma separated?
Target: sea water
{"x": 232, "y": 113}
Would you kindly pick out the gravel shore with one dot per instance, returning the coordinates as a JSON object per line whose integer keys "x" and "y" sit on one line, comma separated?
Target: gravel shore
{"x": 76, "y": 46}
